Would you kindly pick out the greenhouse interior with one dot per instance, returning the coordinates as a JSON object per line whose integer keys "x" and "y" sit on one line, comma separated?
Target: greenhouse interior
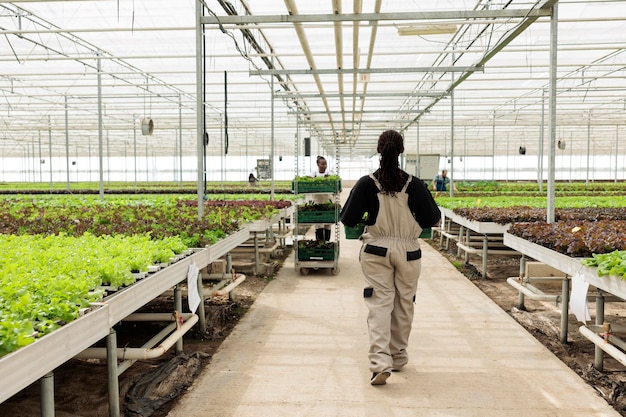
{"x": 160, "y": 181}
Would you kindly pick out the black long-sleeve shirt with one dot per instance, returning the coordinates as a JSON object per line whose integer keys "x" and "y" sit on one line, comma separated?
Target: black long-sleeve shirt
{"x": 363, "y": 199}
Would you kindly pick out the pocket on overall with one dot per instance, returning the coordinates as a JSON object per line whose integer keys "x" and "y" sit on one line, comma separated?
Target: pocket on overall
{"x": 414, "y": 255}
{"x": 375, "y": 250}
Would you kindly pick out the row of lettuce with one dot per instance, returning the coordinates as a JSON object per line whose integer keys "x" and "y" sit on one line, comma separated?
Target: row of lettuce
{"x": 586, "y": 227}
{"x": 60, "y": 253}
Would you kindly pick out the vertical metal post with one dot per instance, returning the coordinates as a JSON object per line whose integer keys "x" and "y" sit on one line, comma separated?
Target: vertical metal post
{"x": 178, "y": 306}
{"x": 67, "y": 148}
{"x": 616, "y": 149}
{"x": 417, "y": 149}
{"x": 114, "y": 388}
{"x": 180, "y": 139}
{"x": 46, "y": 390}
{"x": 493, "y": 148}
{"x": 257, "y": 269}
{"x": 485, "y": 254}
{"x": 229, "y": 263}
{"x": 452, "y": 128}
{"x": 100, "y": 160}
{"x": 50, "y": 148}
{"x": 522, "y": 275}
{"x": 541, "y": 139}
{"x": 40, "y": 158}
{"x": 199, "y": 112}
{"x": 599, "y": 355}
{"x": 588, "y": 145}
{"x": 564, "y": 309}
{"x": 201, "y": 312}
{"x": 147, "y": 161}
{"x": 272, "y": 141}
{"x": 135, "y": 148}
{"x": 554, "y": 21}
{"x": 109, "y": 160}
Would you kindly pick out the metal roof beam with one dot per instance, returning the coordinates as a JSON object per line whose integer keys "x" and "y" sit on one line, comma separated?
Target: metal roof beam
{"x": 368, "y": 95}
{"x": 432, "y": 15}
{"x": 331, "y": 71}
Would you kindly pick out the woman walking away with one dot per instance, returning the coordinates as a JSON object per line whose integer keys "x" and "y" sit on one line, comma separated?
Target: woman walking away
{"x": 398, "y": 207}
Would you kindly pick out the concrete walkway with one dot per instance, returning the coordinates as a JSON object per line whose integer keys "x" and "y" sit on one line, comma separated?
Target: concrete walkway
{"x": 301, "y": 350}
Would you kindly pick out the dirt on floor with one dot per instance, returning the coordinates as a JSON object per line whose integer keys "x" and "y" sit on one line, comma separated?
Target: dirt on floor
{"x": 152, "y": 387}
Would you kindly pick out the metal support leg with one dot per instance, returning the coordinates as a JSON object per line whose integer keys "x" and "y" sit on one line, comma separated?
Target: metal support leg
{"x": 485, "y": 253}
{"x": 114, "y": 388}
{"x": 467, "y": 242}
{"x": 564, "y": 309}
{"x": 522, "y": 274}
{"x": 178, "y": 307}
{"x": 282, "y": 228}
{"x": 599, "y": 354}
{"x": 47, "y": 395}
{"x": 442, "y": 228}
{"x": 256, "y": 254}
{"x": 229, "y": 266}
{"x": 229, "y": 263}
{"x": 459, "y": 239}
{"x": 201, "y": 312}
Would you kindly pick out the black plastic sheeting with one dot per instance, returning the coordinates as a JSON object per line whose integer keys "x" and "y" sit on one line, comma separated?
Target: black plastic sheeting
{"x": 163, "y": 384}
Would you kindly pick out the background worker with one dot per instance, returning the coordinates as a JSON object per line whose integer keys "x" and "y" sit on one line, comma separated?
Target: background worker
{"x": 252, "y": 181}
{"x": 441, "y": 181}
{"x": 322, "y": 170}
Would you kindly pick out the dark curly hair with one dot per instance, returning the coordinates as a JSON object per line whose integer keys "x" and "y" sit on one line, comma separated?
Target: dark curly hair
{"x": 390, "y": 146}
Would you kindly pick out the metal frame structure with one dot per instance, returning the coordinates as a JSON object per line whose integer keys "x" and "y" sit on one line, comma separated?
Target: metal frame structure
{"x": 79, "y": 76}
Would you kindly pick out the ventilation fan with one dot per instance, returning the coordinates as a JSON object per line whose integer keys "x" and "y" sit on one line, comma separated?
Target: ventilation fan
{"x": 522, "y": 150}
{"x": 147, "y": 126}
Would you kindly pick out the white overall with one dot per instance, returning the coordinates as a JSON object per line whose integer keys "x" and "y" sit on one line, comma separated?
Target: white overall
{"x": 391, "y": 263}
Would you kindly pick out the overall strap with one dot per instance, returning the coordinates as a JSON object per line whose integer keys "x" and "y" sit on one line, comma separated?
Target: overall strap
{"x": 380, "y": 187}
{"x": 406, "y": 185}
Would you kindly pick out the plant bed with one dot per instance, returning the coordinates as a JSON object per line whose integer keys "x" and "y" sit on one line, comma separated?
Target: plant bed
{"x": 575, "y": 238}
{"x": 518, "y": 214}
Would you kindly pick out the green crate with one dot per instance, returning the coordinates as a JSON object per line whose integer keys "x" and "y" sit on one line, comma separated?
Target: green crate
{"x": 311, "y": 254}
{"x": 327, "y": 216}
{"x": 427, "y": 233}
{"x": 323, "y": 186}
{"x": 354, "y": 232}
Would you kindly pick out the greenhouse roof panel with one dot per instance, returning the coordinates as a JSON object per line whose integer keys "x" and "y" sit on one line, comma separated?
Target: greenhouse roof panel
{"x": 340, "y": 71}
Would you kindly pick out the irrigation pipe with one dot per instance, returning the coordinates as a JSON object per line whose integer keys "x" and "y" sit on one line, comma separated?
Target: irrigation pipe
{"x": 512, "y": 281}
{"x": 146, "y": 352}
{"x": 603, "y": 344}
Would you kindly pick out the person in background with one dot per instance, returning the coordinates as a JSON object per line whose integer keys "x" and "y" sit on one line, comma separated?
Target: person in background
{"x": 322, "y": 233}
{"x": 398, "y": 207}
{"x": 441, "y": 181}
{"x": 252, "y": 181}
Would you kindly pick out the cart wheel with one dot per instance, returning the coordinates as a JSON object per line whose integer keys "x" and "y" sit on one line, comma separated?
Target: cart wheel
{"x": 304, "y": 271}
{"x": 335, "y": 270}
